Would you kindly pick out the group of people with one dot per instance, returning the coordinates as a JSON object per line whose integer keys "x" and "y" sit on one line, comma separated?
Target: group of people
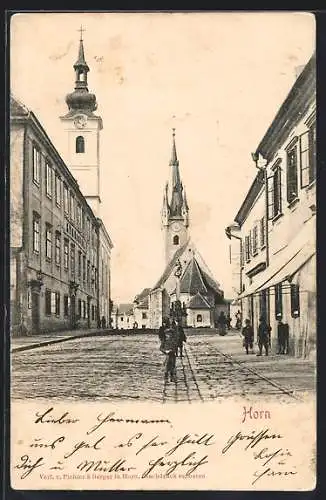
{"x": 171, "y": 337}
{"x": 264, "y": 336}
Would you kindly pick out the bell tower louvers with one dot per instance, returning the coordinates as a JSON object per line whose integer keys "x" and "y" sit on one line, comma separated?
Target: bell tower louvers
{"x": 175, "y": 212}
{"x": 82, "y": 128}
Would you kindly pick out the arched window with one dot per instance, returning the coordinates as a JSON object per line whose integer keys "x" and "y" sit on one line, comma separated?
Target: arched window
{"x": 199, "y": 318}
{"x": 80, "y": 144}
{"x": 176, "y": 240}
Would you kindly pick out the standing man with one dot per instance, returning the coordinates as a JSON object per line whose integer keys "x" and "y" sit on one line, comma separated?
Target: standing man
{"x": 181, "y": 338}
{"x": 169, "y": 348}
{"x": 263, "y": 336}
{"x": 248, "y": 336}
{"x": 282, "y": 337}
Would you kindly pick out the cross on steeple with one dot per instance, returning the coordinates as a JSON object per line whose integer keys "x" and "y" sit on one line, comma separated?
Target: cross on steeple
{"x": 81, "y": 29}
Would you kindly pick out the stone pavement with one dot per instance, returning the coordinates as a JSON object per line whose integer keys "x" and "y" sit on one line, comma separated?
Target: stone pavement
{"x": 130, "y": 367}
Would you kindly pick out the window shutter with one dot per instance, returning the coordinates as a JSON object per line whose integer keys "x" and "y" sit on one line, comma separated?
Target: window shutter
{"x": 270, "y": 197}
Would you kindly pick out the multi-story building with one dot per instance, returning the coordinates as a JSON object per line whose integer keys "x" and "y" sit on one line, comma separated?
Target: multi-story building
{"x": 54, "y": 235}
{"x": 276, "y": 223}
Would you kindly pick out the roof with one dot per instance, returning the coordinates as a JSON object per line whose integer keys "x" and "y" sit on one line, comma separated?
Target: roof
{"x": 125, "y": 309}
{"x": 142, "y": 299}
{"x": 167, "y": 271}
{"x": 17, "y": 108}
{"x": 192, "y": 280}
{"x": 198, "y": 302}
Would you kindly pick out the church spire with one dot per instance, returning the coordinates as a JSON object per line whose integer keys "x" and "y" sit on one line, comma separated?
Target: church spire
{"x": 176, "y": 199}
{"x": 81, "y": 99}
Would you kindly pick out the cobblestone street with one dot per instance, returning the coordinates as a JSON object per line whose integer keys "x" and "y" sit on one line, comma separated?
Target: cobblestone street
{"x": 131, "y": 368}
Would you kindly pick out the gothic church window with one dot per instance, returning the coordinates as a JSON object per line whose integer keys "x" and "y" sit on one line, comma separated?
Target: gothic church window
{"x": 80, "y": 144}
{"x": 176, "y": 240}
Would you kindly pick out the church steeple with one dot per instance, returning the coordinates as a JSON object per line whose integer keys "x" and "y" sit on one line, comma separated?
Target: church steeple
{"x": 81, "y": 99}
{"x": 175, "y": 213}
{"x": 177, "y": 188}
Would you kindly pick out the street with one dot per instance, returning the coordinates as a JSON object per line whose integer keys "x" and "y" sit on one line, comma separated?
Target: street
{"x": 130, "y": 367}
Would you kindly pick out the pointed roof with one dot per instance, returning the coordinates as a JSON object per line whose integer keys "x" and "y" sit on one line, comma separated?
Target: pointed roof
{"x": 174, "y": 158}
{"x": 142, "y": 299}
{"x": 81, "y": 57}
{"x": 169, "y": 268}
{"x": 198, "y": 302}
{"x": 125, "y": 309}
{"x": 17, "y": 108}
{"x": 192, "y": 281}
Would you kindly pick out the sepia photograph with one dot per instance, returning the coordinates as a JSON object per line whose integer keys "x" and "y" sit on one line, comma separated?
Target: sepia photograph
{"x": 163, "y": 250}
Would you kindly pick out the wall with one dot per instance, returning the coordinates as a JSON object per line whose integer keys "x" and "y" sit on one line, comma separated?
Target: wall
{"x": 192, "y": 318}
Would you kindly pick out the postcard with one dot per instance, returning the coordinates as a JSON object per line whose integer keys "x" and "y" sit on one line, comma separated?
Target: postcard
{"x": 163, "y": 251}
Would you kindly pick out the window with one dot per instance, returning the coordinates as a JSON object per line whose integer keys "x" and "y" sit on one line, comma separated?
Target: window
{"x": 79, "y": 308}
{"x": 93, "y": 312}
{"x": 36, "y": 165}
{"x": 72, "y": 259}
{"x": 65, "y": 199}
{"x": 241, "y": 254}
{"x": 57, "y": 248}
{"x": 295, "y": 301}
{"x": 121, "y": 319}
{"x": 36, "y": 233}
{"x": 277, "y": 192}
{"x": 48, "y": 241}
{"x": 95, "y": 279}
{"x": 292, "y": 174}
{"x": 48, "y": 178}
{"x": 88, "y": 272}
{"x": 308, "y": 156}
{"x": 255, "y": 240}
{"x": 278, "y": 301}
{"x": 80, "y": 144}
{"x": 247, "y": 248}
{"x": 56, "y": 300}
{"x": 78, "y": 215}
{"x": 84, "y": 268}
{"x": 262, "y": 232}
{"x": 48, "y": 302}
{"x": 199, "y": 318}
{"x": 72, "y": 206}
{"x": 144, "y": 315}
{"x": 57, "y": 188}
{"x": 79, "y": 265}
{"x": 176, "y": 240}
{"x": 263, "y": 304}
{"x": 66, "y": 254}
{"x": 66, "y": 305}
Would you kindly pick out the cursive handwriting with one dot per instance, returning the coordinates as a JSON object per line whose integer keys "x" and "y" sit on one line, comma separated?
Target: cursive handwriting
{"x": 267, "y": 456}
{"x": 48, "y": 418}
{"x": 272, "y": 473}
{"x": 105, "y": 466}
{"x": 189, "y": 461}
{"x": 110, "y": 417}
{"x": 27, "y": 465}
{"x": 254, "y": 438}
{"x": 84, "y": 444}
{"x": 38, "y": 443}
{"x": 204, "y": 439}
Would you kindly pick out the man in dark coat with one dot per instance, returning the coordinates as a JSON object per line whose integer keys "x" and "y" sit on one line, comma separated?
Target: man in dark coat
{"x": 181, "y": 338}
{"x": 283, "y": 337}
{"x": 264, "y": 331}
{"x": 248, "y": 336}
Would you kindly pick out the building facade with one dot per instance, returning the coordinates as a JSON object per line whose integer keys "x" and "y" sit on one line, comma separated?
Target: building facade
{"x": 276, "y": 223}
{"x": 54, "y": 235}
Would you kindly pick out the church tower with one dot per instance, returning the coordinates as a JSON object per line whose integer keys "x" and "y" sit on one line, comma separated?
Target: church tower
{"x": 175, "y": 213}
{"x": 82, "y": 128}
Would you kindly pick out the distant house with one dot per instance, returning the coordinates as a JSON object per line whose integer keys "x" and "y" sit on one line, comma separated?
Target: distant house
{"x": 124, "y": 316}
{"x": 141, "y": 305}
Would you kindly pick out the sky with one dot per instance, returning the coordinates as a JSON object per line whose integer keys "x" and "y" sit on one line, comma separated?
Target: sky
{"x": 218, "y": 78}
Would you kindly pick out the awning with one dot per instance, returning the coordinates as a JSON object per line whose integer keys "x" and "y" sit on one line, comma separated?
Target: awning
{"x": 285, "y": 264}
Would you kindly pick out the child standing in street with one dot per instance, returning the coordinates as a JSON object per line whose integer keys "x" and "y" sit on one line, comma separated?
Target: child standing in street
{"x": 248, "y": 336}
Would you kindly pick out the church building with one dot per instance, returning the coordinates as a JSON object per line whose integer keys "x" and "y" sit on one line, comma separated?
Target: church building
{"x": 186, "y": 277}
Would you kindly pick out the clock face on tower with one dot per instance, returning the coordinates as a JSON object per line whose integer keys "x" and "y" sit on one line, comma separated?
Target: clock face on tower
{"x": 80, "y": 121}
{"x": 176, "y": 226}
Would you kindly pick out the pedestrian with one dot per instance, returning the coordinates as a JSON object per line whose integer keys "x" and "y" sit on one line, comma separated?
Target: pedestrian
{"x": 238, "y": 320}
{"x": 161, "y": 331}
{"x": 248, "y": 336}
{"x": 222, "y": 322}
{"x": 181, "y": 339}
{"x": 169, "y": 347}
{"x": 282, "y": 337}
{"x": 228, "y": 321}
{"x": 264, "y": 331}
{"x": 103, "y": 322}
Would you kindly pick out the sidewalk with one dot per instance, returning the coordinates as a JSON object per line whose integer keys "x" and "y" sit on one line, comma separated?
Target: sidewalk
{"x": 296, "y": 374}
{"x": 33, "y": 341}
